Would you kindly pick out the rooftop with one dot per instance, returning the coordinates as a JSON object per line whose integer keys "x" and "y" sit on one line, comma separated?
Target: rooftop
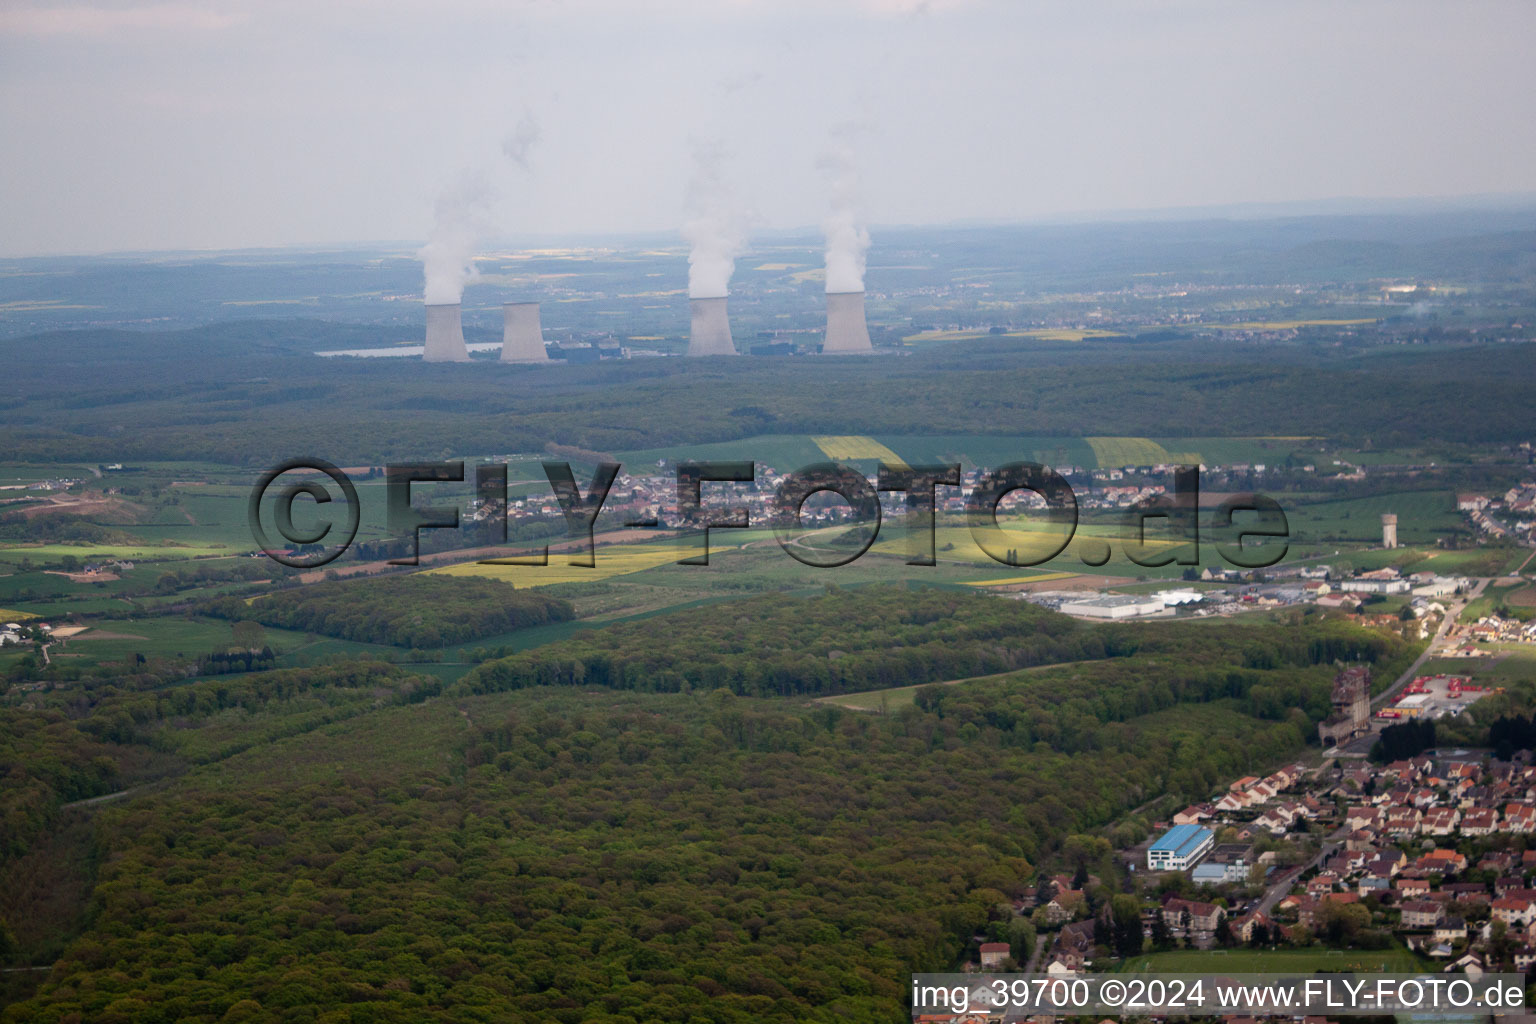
{"x": 1181, "y": 839}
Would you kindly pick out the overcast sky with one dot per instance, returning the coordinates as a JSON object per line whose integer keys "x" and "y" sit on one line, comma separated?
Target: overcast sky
{"x": 172, "y": 124}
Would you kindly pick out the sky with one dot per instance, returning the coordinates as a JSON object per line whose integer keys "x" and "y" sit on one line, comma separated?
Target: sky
{"x": 170, "y": 124}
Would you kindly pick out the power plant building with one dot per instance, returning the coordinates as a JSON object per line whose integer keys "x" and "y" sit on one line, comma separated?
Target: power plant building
{"x": 710, "y": 328}
{"x": 522, "y": 335}
{"x": 847, "y": 333}
{"x": 445, "y": 334}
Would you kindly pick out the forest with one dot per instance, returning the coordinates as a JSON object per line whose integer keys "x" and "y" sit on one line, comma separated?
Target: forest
{"x": 407, "y": 611}
{"x": 358, "y": 838}
{"x": 876, "y": 637}
{"x": 536, "y": 856}
{"x": 244, "y": 403}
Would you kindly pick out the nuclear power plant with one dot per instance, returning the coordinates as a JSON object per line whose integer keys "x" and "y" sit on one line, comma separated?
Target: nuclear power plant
{"x": 710, "y": 332}
{"x": 522, "y": 336}
{"x": 445, "y": 335}
{"x": 846, "y": 330}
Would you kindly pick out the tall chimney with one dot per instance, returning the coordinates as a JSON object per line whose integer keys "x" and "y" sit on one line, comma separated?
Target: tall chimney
{"x": 846, "y": 330}
{"x": 445, "y": 334}
{"x": 710, "y": 333}
{"x": 522, "y": 337}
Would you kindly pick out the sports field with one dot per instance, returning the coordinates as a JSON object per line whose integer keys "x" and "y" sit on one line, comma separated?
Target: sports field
{"x": 1271, "y": 961}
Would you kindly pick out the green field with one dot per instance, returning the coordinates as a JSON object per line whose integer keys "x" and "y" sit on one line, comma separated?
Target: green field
{"x": 1422, "y": 517}
{"x": 1505, "y": 665}
{"x": 1259, "y": 961}
{"x": 790, "y": 451}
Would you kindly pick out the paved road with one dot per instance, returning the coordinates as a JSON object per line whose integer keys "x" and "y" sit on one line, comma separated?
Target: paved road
{"x": 1452, "y": 613}
{"x": 1277, "y": 891}
{"x": 1360, "y": 746}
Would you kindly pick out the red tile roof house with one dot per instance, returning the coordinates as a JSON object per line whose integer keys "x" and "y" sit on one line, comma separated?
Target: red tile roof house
{"x": 1441, "y": 862}
{"x": 1519, "y": 817}
{"x": 1193, "y": 814}
{"x": 1403, "y": 821}
{"x": 1514, "y": 911}
{"x": 1479, "y": 821}
{"x": 1440, "y": 821}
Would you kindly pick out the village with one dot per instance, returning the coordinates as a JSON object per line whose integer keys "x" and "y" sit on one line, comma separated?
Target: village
{"x": 1429, "y": 856}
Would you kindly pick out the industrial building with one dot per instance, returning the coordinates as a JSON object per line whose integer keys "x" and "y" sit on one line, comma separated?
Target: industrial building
{"x": 1363, "y": 586}
{"x": 1351, "y": 707}
{"x": 1179, "y": 848}
{"x": 1229, "y": 862}
{"x": 1115, "y": 606}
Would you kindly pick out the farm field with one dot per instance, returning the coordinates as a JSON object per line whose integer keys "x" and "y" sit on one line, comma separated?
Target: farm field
{"x": 1422, "y": 518}
{"x": 1288, "y": 325}
{"x": 1492, "y": 597}
{"x": 1039, "y": 333}
{"x": 615, "y": 560}
{"x": 791, "y": 451}
{"x": 16, "y": 553}
{"x": 854, "y": 448}
{"x": 167, "y": 636}
{"x": 1137, "y": 451}
{"x": 958, "y": 544}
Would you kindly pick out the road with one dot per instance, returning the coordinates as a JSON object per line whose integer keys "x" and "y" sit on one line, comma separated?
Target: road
{"x": 1287, "y": 881}
{"x": 1361, "y": 745}
{"x": 1451, "y": 614}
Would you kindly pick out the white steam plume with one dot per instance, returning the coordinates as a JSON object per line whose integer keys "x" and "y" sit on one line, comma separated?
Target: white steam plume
{"x": 847, "y": 240}
{"x": 714, "y": 226}
{"x": 463, "y": 221}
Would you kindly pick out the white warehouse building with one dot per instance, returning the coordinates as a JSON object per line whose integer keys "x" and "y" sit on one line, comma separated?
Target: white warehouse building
{"x": 1115, "y": 606}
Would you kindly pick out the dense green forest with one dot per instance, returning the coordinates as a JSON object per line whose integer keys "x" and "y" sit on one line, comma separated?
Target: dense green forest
{"x": 776, "y": 644}
{"x": 112, "y": 734}
{"x": 533, "y": 857}
{"x": 245, "y": 404}
{"x": 408, "y": 611}
{"x": 877, "y": 637}
{"x": 352, "y": 843}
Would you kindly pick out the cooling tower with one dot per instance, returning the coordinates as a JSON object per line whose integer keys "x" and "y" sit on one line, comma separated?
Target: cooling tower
{"x": 846, "y": 330}
{"x": 445, "y": 335}
{"x": 710, "y": 334}
{"x": 522, "y": 338}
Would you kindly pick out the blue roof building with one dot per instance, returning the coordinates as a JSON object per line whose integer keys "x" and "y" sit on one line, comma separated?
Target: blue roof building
{"x": 1179, "y": 848}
